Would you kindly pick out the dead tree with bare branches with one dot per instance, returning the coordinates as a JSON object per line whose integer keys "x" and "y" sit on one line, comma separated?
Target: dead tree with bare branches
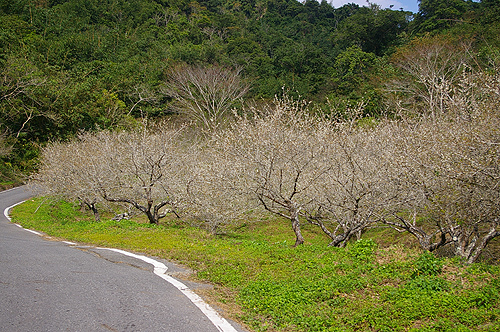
{"x": 206, "y": 95}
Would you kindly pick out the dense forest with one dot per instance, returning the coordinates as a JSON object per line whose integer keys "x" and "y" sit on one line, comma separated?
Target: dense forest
{"x": 73, "y": 65}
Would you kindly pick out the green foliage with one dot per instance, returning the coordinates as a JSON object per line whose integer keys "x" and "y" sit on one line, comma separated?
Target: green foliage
{"x": 352, "y": 66}
{"x": 372, "y": 28}
{"x": 427, "y": 284}
{"x": 9, "y": 176}
{"x": 439, "y": 14}
{"x": 427, "y": 265}
{"x": 362, "y": 249}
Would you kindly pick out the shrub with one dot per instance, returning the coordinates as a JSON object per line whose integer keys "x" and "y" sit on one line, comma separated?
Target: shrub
{"x": 427, "y": 265}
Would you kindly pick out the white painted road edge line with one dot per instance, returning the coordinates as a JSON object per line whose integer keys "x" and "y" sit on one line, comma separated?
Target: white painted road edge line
{"x": 6, "y": 211}
{"x": 6, "y": 214}
{"x": 6, "y": 190}
{"x": 160, "y": 269}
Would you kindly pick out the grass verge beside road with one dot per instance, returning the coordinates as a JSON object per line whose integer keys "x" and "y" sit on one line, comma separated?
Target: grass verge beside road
{"x": 267, "y": 285}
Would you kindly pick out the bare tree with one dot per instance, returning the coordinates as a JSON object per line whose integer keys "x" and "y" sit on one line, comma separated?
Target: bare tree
{"x": 469, "y": 172}
{"x": 277, "y": 158}
{"x": 412, "y": 185}
{"x": 140, "y": 170}
{"x": 431, "y": 69}
{"x": 205, "y": 94}
{"x": 142, "y": 94}
{"x": 446, "y": 159}
{"x": 354, "y": 193}
{"x": 303, "y": 168}
{"x": 137, "y": 168}
{"x": 214, "y": 194}
{"x": 450, "y": 165}
{"x": 296, "y": 166}
{"x": 66, "y": 171}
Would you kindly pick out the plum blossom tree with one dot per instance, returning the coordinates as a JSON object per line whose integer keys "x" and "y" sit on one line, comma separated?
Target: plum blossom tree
{"x": 138, "y": 168}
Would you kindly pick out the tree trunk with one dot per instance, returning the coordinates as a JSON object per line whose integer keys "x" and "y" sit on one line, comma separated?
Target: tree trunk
{"x": 482, "y": 244}
{"x": 153, "y": 219}
{"x": 340, "y": 240}
{"x": 294, "y": 217}
{"x": 93, "y": 207}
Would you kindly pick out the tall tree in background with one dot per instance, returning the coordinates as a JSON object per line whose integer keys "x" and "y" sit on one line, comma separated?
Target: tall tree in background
{"x": 436, "y": 15}
{"x": 205, "y": 95}
{"x": 432, "y": 68}
{"x": 371, "y": 28}
{"x": 490, "y": 11}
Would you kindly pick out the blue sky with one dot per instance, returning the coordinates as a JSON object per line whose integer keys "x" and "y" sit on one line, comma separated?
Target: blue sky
{"x": 411, "y": 5}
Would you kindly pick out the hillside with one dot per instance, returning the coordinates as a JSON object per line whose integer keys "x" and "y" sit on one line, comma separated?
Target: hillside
{"x": 71, "y": 65}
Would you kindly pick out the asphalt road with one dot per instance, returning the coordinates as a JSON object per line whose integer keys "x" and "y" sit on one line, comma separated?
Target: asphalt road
{"x": 55, "y": 286}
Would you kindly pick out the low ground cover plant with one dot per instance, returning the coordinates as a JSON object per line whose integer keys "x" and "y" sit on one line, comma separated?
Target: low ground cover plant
{"x": 269, "y": 285}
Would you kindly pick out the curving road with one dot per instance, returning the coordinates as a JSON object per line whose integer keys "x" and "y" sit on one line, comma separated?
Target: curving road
{"x": 56, "y": 286}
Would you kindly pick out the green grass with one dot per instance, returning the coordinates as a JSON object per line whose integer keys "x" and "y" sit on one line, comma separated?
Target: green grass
{"x": 268, "y": 285}
{"x": 8, "y": 184}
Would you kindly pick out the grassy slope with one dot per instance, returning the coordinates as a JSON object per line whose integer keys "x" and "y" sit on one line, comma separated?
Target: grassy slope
{"x": 269, "y": 286}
